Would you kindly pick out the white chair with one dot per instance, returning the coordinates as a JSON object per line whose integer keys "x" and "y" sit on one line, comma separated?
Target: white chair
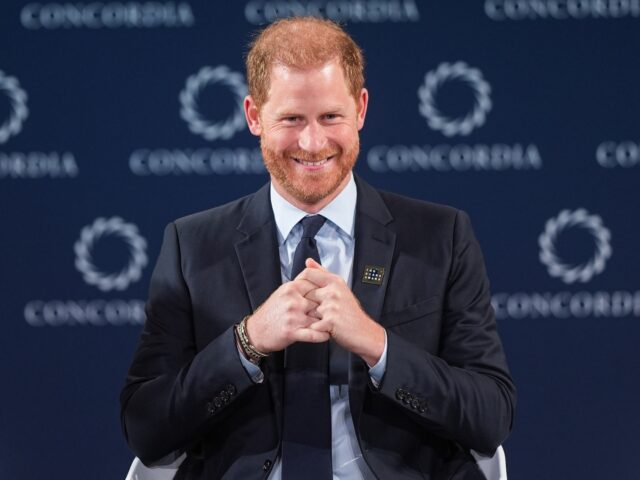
{"x": 494, "y": 468}
{"x": 139, "y": 471}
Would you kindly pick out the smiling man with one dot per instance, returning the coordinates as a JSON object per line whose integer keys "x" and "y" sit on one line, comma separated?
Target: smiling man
{"x": 318, "y": 328}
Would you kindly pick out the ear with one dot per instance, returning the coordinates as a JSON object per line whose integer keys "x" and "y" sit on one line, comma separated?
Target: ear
{"x": 252, "y": 114}
{"x": 361, "y": 107}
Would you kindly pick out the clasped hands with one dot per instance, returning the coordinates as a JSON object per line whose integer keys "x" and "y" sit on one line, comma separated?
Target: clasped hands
{"x": 314, "y": 307}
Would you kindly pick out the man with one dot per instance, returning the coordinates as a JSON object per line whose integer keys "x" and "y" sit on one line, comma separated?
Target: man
{"x": 318, "y": 327}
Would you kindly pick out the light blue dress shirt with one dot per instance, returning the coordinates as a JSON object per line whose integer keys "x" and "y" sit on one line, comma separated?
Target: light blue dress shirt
{"x": 335, "y": 242}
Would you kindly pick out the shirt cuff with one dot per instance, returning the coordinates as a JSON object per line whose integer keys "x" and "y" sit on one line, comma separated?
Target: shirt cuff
{"x": 252, "y": 369}
{"x": 377, "y": 371}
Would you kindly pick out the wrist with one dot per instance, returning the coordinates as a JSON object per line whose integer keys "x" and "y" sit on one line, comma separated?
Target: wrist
{"x": 252, "y": 337}
{"x": 374, "y": 346}
{"x": 249, "y": 350}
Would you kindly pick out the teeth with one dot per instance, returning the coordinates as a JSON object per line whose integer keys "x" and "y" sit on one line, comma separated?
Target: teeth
{"x": 312, "y": 164}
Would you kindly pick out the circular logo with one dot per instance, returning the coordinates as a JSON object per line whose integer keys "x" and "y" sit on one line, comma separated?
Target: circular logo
{"x": 428, "y": 91}
{"x": 189, "y": 101}
{"x": 91, "y": 234}
{"x": 585, "y": 271}
{"x": 19, "y": 111}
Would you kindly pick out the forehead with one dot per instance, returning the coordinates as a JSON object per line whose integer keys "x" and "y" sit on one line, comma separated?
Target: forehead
{"x": 314, "y": 86}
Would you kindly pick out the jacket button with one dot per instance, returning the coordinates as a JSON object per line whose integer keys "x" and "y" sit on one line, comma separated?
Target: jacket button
{"x": 217, "y": 402}
{"x": 400, "y": 394}
{"x": 224, "y": 396}
{"x": 231, "y": 390}
{"x": 266, "y": 466}
{"x": 210, "y": 408}
{"x": 407, "y": 398}
{"x": 422, "y": 408}
{"x": 415, "y": 403}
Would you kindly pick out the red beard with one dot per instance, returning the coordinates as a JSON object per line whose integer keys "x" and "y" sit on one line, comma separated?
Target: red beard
{"x": 310, "y": 187}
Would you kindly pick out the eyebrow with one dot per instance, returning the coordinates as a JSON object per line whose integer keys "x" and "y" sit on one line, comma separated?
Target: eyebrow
{"x": 293, "y": 113}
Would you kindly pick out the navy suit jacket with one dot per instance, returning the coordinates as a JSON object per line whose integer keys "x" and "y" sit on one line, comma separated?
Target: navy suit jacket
{"x": 446, "y": 389}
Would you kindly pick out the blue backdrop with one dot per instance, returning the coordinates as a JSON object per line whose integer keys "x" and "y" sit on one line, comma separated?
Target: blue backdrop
{"x": 117, "y": 117}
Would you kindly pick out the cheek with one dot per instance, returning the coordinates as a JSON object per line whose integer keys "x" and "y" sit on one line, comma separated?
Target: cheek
{"x": 282, "y": 140}
{"x": 345, "y": 134}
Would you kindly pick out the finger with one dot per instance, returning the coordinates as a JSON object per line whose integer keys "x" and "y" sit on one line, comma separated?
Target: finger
{"x": 323, "y": 326}
{"x": 311, "y": 336}
{"x": 311, "y": 263}
{"x": 301, "y": 319}
{"x": 303, "y": 285}
{"x": 313, "y": 313}
{"x": 316, "y": 295}
{"x": 320, "y": 326}
{"x": 321, "y": 278}
{"x": 310, "y": 306}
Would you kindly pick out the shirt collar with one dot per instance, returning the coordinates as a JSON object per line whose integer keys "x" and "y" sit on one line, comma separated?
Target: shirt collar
{"x": 340, "y": 211}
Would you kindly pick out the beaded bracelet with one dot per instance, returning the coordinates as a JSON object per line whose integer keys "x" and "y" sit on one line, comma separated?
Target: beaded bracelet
{"x": 252, "y": 353}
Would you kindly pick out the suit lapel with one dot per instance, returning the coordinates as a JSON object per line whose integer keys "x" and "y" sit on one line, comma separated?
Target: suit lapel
{"x": 260, "y": 264}
{"x": 375, "y": 244}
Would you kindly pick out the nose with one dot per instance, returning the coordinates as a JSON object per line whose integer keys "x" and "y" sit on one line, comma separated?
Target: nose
{"x": 312, "y": 138}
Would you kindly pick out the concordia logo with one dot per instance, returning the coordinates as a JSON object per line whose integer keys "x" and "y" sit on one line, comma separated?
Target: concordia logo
{"x": 19, "y": 111}
{"x": 31, "y": 164}
{"x": 98, "y": 312}
{"x": 501, "y": 10}
{"x": 570, "y": 304}
{"x": 93, "y": 15}
{"x": 434, "y": 79}
{"x": 585, "y": 271}
{"x": 189, "y": 98}
{"x": 459, "y": 157}
{"x": 93, "y": 233}
{"x": 204, "y": 160}
{"x": 259, "y": 12}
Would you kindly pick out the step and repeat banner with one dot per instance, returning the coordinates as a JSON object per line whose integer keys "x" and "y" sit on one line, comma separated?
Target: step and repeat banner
{"x": 118, "y": 117}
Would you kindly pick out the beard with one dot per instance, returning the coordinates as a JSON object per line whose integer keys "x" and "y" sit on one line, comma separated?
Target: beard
{"x": 310, "y": 187}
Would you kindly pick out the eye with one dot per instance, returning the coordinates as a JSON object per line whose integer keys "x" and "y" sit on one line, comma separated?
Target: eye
{"x": 331, "y": 116}
{"x": 290, "y": 119}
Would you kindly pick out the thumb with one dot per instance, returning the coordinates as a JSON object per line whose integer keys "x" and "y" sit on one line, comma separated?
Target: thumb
{"x": 311, "y": 263}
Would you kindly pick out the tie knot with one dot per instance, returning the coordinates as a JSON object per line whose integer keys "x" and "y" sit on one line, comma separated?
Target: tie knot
{"x": 311, "y": 225}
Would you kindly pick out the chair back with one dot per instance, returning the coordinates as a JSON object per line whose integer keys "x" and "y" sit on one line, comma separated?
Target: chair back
{"x": 139, "y": 471}
{"x": 494, "y": 467}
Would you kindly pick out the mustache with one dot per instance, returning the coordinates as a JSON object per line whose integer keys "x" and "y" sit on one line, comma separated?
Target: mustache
{"x": 314, "y": 157}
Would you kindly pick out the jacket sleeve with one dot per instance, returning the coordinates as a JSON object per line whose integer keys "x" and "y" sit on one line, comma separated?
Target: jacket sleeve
{"x": 173, "y": 394}
{"x": 464, "y": 392}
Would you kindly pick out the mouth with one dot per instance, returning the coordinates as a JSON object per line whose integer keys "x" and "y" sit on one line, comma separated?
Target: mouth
{"x": 317, "y": 163}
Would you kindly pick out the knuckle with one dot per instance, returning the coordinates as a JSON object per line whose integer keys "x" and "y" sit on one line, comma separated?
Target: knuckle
{"x": 288, "y": 291}
{"x": 287, "y": 324}
{"x": 334, "y": 291}
{"x": 287, "y": 332}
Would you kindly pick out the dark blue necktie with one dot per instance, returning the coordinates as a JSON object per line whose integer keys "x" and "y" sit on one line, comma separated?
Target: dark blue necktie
{"x": 306, "y": 432}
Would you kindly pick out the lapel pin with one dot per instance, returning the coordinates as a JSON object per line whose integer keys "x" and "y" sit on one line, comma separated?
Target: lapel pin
{"x": 373, "y": 274}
